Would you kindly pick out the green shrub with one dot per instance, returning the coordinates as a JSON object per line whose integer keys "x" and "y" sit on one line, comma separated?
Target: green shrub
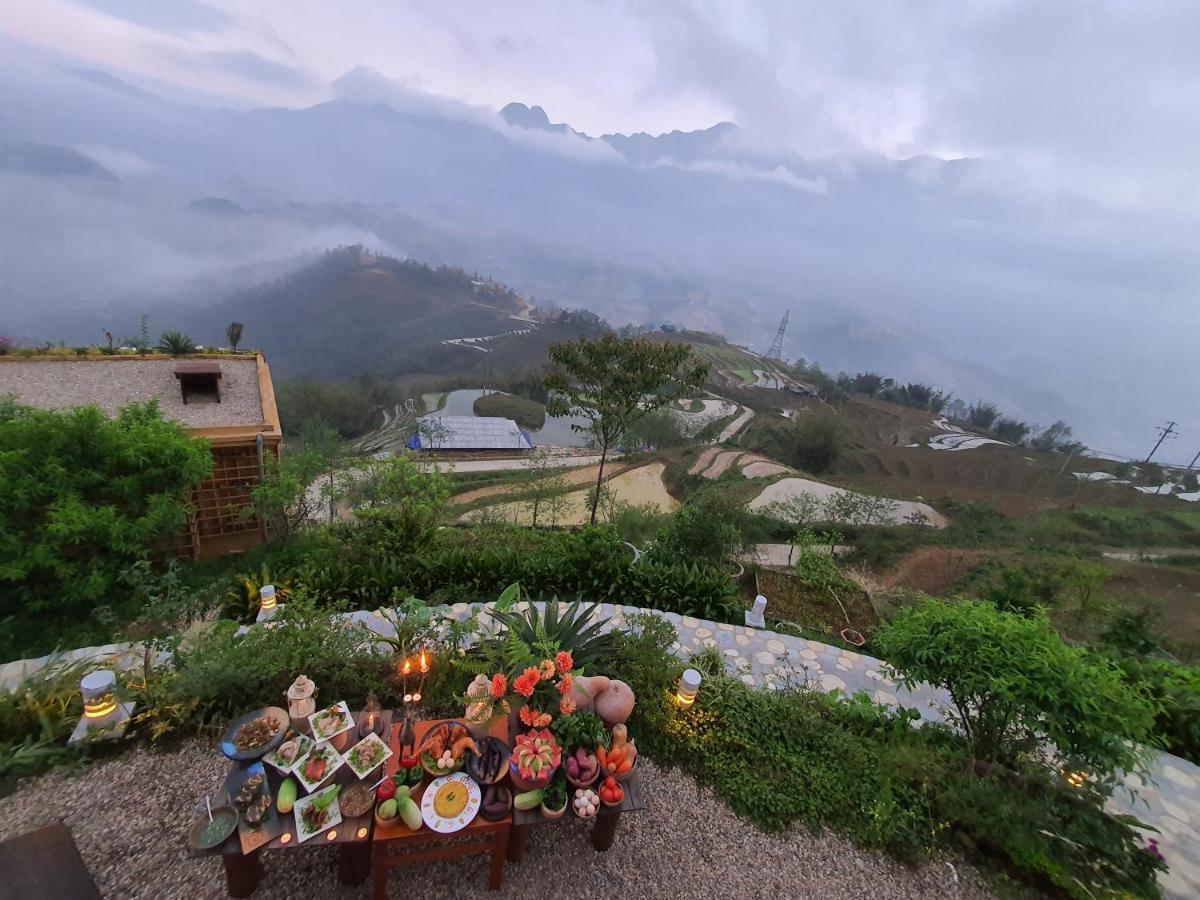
{"x": 592, "y": 564}
{"x": 83, "y": 496}
{"x": 1175, "y": 691}
{"x": 708, "y": 529}
{"x": 793, "y": 756}
{"x": 228, "y": 673}
{"x": 1016, "y": 687}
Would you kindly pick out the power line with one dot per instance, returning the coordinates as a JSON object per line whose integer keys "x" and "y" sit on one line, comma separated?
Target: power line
{"x": 1164, "y": 432}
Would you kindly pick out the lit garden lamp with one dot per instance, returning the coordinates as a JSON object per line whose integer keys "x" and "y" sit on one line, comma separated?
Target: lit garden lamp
{"x": 755, "y": 618}
{"x": 266, "y": 603}
{"x": 1075, "y": 778}
{"x": 104, "y": 717}
{"x": 689, "y": 684}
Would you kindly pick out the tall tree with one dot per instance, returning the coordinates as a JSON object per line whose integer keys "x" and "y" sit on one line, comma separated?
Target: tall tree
{"x": 613, "y": 382}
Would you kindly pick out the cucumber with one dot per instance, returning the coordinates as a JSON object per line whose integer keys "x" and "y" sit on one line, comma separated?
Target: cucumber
{"x": 528, "y": 800}
{"x": 287, "y": 796}
{"x": 410, "y": 813}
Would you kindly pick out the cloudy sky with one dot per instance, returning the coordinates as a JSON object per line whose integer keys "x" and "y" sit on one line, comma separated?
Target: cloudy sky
{"x": 1066, "y": 252}
{"x": 1092, "y": 99}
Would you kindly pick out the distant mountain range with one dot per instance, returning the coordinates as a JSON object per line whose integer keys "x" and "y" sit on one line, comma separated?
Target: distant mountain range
{"x": 640, "y": 148}
{"x": 118, "y": 197}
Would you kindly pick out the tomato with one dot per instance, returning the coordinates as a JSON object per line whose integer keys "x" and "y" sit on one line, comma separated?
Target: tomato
{"x": 386, "y": 791}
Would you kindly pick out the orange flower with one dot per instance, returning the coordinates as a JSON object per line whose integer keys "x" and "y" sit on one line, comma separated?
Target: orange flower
{"x": 533, "y": 718}
{"x": 564, "y": 686}
{"x": 546, "y": 669}
{"x": 499, "y": 685}
{"x": 566, "y": 706}
{"x": 526, "y": 682}
{"x": 563, "y": 661}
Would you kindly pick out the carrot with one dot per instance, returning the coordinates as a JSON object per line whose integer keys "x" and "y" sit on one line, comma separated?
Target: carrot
{"x": 624, "y": 767}
{"x": 602, "y": 755}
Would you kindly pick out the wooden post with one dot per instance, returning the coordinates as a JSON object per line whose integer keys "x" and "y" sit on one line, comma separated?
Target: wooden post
{"x": 354, "y": 862}
{"x": 605, "y": 829}
{"x": 518, "y": 840}
{"x": 242, "y": 873}
{"x": 499, "y": 851}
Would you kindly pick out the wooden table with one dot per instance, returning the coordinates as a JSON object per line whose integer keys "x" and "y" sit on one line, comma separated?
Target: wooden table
{"x": 391, "y": 844}
{"x": 243, "y": 864}
{"x": 604, "y": 828}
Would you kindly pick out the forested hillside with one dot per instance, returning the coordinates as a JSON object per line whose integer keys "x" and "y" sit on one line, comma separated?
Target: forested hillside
{"x": 351, "y": 313}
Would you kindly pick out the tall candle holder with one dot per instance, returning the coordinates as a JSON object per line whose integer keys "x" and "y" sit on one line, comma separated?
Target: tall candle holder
{"x": 411, "y": 668}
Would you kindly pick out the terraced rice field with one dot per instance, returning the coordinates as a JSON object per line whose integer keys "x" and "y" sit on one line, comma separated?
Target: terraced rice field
{"x": 788, "y": 488}
{"x": 638, "y": 486}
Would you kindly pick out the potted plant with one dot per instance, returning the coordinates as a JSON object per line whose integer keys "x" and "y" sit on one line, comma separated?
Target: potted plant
{"x": 852, "y": 637}
{"x": 554, "y": 799}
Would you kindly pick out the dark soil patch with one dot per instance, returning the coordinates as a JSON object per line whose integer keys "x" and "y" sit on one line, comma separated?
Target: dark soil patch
{"x": 935, "y": 570}
{"x": 788, "y": 598}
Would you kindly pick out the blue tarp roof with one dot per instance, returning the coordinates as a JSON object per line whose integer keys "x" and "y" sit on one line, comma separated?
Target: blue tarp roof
{"x": 468, "y": 433}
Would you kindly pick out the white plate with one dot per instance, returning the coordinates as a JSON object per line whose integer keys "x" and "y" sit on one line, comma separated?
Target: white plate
{"x": 303, "y": 744}
{"x": 335, "y": 815}
{"x": 463, "y": 819}
{"x": 335, "y": 763}
{"x": 347, "y": 721}
{"x": 367, "y": 741}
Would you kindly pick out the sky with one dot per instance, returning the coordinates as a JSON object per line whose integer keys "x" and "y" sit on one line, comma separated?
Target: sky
{"x": 1099, "y": 100}
{"x": 1082, "y": 216}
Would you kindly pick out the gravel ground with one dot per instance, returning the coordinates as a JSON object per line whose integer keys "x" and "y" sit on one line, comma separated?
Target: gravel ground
{"x": 130, "y": 818}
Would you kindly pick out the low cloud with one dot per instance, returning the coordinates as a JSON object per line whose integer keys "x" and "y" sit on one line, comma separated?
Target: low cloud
{"x": 779, "y": 174}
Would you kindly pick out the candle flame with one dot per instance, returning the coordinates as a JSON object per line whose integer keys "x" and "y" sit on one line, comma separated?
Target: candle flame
{"x": 424, "y": 663}
{"x": 407, "y": 667}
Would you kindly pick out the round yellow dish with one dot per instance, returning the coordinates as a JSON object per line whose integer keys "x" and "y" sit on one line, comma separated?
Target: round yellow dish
{"x": 450, "y": 800}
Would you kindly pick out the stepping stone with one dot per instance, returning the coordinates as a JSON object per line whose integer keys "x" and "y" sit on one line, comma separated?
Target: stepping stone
{"x": 808, "y": 654}
{"x": 724, "y": 626}
{"x": 748, "y": 679}
{"x": 1173, "y": 810}
{"x": 731, "y": 653}
{"x": 689, "y": 621}
{"x": 886, "y": 699}
{"x": 831, "y": 683}
{"x": 741, "y": 639}
{"x": 703, "y": 632}
{"x": 1179, "y": 777}
{"x": 776, "y": 646}
{"x": 764, "y": 658}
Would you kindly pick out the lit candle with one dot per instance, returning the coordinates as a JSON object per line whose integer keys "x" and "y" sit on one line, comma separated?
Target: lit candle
{"x": 689, "y": 684}
{"x": 407, "y": 667}
{"x": 424, "y": 663}
{"x": 361, "y": 833}
{"x": 266, "y": 597}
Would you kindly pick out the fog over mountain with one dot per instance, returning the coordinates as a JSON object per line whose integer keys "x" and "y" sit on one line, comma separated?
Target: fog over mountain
{"x": 121, "y": 192}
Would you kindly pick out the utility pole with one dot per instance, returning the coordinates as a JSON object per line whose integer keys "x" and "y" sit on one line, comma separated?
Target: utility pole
{"x": 1164, "y": 432}
{"x": 1192, "y": 464}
